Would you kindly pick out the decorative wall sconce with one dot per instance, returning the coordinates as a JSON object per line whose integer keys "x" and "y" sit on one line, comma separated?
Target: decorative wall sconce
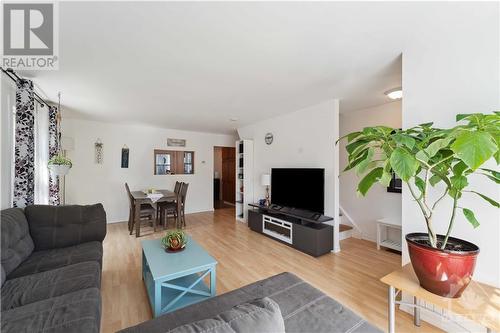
{"x": 98, "y": 151}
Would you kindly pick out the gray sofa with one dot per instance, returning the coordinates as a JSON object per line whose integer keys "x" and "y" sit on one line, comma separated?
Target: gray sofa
{"x": 303, "y": 307}
{"x": 51, "y": 268}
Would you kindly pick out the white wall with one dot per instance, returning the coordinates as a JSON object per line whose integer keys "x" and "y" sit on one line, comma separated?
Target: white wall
{"x": 302, "y": 139}
{"x": 88, "y": 182}
{"x": 7, "y": 107}
{"x": 378, "y": 203}
{"x": 451, "y": 66}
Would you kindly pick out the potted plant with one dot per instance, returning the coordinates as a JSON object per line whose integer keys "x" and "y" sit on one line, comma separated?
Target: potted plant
{"x": 59, "y": 165}
{"x": 174, "y": 241}
{"x": 423, "y": 157}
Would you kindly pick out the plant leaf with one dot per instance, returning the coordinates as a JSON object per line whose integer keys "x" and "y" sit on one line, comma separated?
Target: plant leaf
{"x": 385, "y": 180}
{"x": 406, "y": 140}
{"x": 461, "y": 116}
{"x": 422, "y": 156}
{"x": 474, "y": 148}
{"x": 419, "y": 182}
{"x": 437, "y": 145}
{"x": 494, "y": 173}
{"x": 459, "y": 182}
{"x": 353, "y": 135}
{"x": 491, "y": 201}
{"x": 371, "y": 178}
{"x": 351, "y": 146}
{"x": 459, "y": 168}
{"x": 469, "y": 215}
{"x": 404, "y": 164}
{"x": 434, "y": 180}
{"x": 358, "y": 160}
{"x": 363, "y": 165}
{"x": 496, "y": 180}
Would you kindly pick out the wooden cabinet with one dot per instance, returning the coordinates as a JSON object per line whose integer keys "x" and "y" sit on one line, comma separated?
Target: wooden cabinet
{"x": 173, "y": 162}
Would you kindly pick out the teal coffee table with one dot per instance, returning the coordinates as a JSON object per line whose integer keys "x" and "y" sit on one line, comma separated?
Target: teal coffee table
{"x": 175, "y": 280}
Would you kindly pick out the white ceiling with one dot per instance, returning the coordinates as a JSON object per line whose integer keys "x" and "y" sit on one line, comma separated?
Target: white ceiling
{"x": 195, "y": 65}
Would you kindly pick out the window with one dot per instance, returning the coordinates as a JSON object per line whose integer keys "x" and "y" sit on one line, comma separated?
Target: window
{"x": 163, "y": 162}
{"x": 188, "y": 162}
{"x": 170, "y": 162}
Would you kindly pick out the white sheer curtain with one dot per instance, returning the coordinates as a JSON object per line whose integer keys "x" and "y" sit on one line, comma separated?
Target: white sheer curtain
{"x": 7, "y": 125}
{"x": 41, "y": 154}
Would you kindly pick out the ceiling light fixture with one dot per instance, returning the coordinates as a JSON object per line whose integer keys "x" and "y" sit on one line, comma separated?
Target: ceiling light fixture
{"x": 233, "y": 119}
{"x": 396, "y": 93}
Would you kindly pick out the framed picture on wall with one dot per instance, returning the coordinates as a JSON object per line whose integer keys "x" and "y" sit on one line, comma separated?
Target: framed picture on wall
{"x": 125, "y": 156}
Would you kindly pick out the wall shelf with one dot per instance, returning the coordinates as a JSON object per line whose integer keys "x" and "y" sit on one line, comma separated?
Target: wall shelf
{"x": 244, "y": 185}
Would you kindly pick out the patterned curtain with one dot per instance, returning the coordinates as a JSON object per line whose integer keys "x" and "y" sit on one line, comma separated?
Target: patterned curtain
{"x": 54, "y": 138}
{"x": 24, "y": 156}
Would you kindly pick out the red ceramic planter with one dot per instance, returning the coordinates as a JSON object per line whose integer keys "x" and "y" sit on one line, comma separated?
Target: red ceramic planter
{"x": 442, "y": 272}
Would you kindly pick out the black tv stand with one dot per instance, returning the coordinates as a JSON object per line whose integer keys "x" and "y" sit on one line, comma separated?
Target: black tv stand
{"x": 300, "y": 229}
{"x": 304, "y": 215}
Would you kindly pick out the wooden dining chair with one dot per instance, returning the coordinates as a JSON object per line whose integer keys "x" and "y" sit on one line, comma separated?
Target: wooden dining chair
{"x": 182, "y": 215}
{"x": 146, "y": 211}
{"x": 168, "y": 208}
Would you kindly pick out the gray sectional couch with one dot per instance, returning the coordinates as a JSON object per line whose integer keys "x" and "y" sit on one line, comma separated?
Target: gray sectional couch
{"x": 304, "y": 309}
{"x": 51, "y": 268}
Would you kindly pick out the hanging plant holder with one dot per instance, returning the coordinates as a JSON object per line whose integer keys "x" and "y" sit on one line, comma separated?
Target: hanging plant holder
{"x": 60, "y": 165}
{"x": 59, "y": 169}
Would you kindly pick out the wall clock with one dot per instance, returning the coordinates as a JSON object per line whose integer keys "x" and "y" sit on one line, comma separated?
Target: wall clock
{"x": 269, "y": 138}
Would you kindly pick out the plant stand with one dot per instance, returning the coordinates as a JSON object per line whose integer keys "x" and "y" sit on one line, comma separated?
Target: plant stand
{"x": 485, "y": 313}
{"x": 383, "y": 227}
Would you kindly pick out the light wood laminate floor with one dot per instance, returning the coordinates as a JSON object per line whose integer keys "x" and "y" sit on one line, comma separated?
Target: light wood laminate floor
{"x": 351, "y": 276}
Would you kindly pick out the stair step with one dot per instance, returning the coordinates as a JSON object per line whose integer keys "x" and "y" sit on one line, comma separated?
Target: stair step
{"x": 344, "y": 227}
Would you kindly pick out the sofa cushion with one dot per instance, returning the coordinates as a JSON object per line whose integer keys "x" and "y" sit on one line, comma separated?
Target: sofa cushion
{"x": 62, "y": 226}
{"x": 40, "y": 286}
{"x": 261, "y": 315}
{"x": 3, "y": 276}
{"x": 303, "y": 307}
{"x": 41, "y": 261}
{"x": 79, "y": 311}
{"x": 17, "y": 244}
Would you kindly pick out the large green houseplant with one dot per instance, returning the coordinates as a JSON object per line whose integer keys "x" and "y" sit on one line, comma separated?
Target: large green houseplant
{"x": 423, "y": 157}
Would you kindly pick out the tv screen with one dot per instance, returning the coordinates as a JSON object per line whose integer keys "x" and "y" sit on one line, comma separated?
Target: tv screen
{"x": 299, "y": 188}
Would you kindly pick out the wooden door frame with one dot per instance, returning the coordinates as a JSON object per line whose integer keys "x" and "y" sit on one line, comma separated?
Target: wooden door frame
{"x": 221, "y": 182}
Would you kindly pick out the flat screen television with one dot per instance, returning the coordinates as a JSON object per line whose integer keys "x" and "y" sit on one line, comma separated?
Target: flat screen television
{"x": 302, "y": 188}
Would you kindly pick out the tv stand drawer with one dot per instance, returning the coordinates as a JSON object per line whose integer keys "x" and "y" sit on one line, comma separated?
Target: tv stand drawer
{"x": 277, "y": 228}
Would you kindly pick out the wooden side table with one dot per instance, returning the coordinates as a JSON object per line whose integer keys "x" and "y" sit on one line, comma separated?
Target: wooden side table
{"x": 480, "y": 302}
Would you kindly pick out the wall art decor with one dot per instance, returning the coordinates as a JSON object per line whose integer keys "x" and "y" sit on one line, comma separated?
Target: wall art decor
{"x": 176, "y": 142}
{"x": 98, "y": 151}
{"x": 125, "y": 156}
{"x": 269, "y": 138}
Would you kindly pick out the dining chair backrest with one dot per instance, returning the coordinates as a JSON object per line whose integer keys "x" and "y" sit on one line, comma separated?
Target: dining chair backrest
{"x": 129, "y": 194}
{"x": 183, "y": 193}
{"x": 177, "y": 188}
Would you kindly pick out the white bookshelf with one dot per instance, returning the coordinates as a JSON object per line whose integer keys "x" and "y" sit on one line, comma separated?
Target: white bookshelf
{"x": 244, "y": 178}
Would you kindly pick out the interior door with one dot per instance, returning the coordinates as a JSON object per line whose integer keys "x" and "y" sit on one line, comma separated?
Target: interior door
{"x": 228, "y": 174}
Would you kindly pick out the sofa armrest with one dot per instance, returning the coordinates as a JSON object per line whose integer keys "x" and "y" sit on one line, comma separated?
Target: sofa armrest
{"x": 62, "y": 226}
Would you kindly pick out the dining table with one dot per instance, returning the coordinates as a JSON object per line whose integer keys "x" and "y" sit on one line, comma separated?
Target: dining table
{"x": 141, "y": 197}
